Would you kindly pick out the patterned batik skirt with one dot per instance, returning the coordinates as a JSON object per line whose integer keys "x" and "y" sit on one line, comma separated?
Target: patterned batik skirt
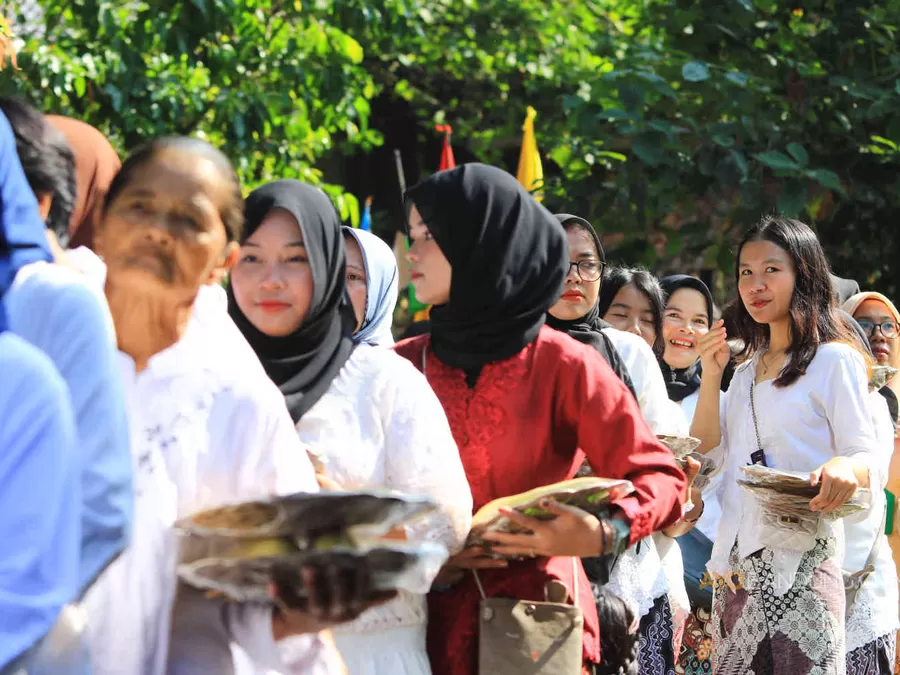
{"x": 656, "y": 650}
{"x": 756, "y": 632}
{"x": 875, "y": 658}
{"x": 696, "y": 645}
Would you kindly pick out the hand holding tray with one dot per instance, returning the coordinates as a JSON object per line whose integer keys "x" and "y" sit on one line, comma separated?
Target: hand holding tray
{"x": 590, "y": 494}
{"x": 787, "y": 494}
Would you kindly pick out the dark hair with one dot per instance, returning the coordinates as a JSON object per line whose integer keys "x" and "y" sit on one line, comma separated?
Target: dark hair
{"x": 616, "y": 277}
{"x": 813, "y": 313}
{"x": 48, "y": 161}
{"x": 231, "y": 213}
{"x": 618, "y": 638}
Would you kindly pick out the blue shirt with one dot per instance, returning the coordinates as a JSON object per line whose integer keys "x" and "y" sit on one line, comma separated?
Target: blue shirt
{"x": 54, "y": 309}
{"x": 40, "y": 495}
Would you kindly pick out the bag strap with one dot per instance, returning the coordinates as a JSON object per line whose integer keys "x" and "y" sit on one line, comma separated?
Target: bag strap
{"x": 753, "y": 414}
{"x": 575, "y": 583}
{"x": 876, "y": 545}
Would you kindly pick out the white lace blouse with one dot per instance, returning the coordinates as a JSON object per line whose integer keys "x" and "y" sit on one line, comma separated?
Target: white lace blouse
{"x": 644, "y": 573}
{"x": 824, "y": 414}
{"x": 874, "y": 613}
{"x": 380, "y": 425}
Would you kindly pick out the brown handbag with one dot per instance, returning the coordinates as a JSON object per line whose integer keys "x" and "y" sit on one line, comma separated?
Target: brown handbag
{"x": 520, "y": 637}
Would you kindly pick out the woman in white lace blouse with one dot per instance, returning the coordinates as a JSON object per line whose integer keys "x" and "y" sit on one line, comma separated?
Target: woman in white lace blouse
{"x": 799, "y": 403}
{"x": 369, "y": 416}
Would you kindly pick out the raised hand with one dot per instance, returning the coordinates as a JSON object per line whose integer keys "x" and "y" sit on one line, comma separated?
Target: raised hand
{"x": 714, "y": 350}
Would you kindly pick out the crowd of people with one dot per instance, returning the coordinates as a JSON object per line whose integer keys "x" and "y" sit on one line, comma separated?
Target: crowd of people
{"x": 168, "y": 345}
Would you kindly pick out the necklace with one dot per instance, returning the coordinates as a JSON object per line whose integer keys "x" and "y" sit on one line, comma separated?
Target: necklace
{"x": 767, "y": 366}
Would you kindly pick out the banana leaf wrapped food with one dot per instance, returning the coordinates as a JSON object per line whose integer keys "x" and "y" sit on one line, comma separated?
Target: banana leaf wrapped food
{"x": 589, "y": 493}
{"x": 707, "y": 467}
{"x": 786, "y": 494}
{"x": 880, "y": 376}
{"x": 389, "y": 566}
{"x": 305, "y": 517}
{"x": 681, "y": 447}
{"x": 239, "y": 550}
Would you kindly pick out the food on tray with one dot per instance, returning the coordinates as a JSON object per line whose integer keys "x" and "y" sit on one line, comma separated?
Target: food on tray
{"x": 589, "y": 493}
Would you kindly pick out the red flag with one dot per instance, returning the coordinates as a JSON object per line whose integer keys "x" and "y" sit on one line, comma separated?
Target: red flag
{"x": 447, "y": 160}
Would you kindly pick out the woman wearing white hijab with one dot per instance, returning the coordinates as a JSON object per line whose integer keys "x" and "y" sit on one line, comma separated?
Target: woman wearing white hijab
{"x": 372, "y": 282}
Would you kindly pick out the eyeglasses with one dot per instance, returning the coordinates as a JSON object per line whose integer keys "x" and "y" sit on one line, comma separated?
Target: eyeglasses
{"x": 887, "y": 328}
{"x": 588, "y": 270}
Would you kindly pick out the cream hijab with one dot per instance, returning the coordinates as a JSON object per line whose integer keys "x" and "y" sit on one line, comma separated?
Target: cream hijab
{"x": 852, "y": 304}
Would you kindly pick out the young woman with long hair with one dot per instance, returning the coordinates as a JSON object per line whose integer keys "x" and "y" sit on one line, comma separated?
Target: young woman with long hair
{"x": 779, "y": 605}
{"x": 632, "y": 301}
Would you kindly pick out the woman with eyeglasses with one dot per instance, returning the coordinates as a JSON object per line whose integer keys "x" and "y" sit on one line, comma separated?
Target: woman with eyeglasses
{"x": 649, "y": 580}
{"x": 576, "y": 311}
{"x": 879, "y": 319}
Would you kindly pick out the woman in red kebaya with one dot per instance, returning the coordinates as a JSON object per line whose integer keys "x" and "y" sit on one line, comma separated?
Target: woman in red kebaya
{"x": 525, "y": 403}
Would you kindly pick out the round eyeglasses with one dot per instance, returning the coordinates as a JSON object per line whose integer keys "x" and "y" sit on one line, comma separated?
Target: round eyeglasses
{"x": 887, "y": 328}
{"x": 588, "y": 270}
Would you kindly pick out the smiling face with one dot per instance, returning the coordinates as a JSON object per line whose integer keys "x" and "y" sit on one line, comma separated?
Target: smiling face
{"x": 632, "y": 312}
{"x": 578, "y": 296}
{"x": 163, "y": 232}
{"x": 357, "y": 284}
{"x": 766, "y": 280}
{"x": 886, "y": 350}
{"x": 430, "y": 271}
{"x": 684, "y": 320}
{"x": 272, "y": 281}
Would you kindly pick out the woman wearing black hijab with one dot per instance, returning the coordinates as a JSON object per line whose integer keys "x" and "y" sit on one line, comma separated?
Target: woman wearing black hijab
{"x": 576, "y": 312}
{"x": 688, "y": 314}
{"x": 526, "y": 403}
{"x": 304, "y": 331}
{"x": 367, "y": 416}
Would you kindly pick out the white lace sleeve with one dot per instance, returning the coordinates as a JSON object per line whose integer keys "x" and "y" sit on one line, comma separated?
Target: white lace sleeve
{"x": 422, "y": 458}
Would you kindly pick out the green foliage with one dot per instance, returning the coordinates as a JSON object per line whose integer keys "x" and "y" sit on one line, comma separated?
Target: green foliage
{"x": 676, "y": 125}
{"x": 276, "y": 88}
{"x": 672, "y": 124}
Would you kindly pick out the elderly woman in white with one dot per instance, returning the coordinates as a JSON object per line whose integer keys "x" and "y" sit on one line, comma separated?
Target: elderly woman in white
{"x": 207, "y": 426}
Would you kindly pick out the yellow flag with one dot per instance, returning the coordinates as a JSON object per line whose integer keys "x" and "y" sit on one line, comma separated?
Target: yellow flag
{"x": 530, "y": 173}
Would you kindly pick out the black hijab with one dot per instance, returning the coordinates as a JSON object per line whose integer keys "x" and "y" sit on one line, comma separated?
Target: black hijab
{"x": 588, "y": 329}
{"x": 304, "y": 363}
{"x": 509, "y": 257}
{"x": 584, "y": 328}
{"x": 682, "y": 382}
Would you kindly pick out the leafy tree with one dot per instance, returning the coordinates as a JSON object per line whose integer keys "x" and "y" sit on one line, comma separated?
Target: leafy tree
{"x": 671, "y": 125}
{"x": 275, "y": 88}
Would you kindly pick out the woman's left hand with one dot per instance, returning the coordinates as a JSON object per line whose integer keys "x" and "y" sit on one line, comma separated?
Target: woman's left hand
{"x": 839, "y": 481}
{"x": 572, "y": 533}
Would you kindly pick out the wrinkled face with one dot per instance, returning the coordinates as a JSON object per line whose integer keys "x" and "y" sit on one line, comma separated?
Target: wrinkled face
{"x": 872, "y": 313}
{"x": 163, "y": 231}
{"x": 766, "y": 280}
{"x": 684, "y": 320}
{"x": 631, "y": 311}
{"x": 272, "y": 281}
{"x": 357, "y": 283}
{"x": 579, "y": 295}
{"x": 430, "y": 271}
